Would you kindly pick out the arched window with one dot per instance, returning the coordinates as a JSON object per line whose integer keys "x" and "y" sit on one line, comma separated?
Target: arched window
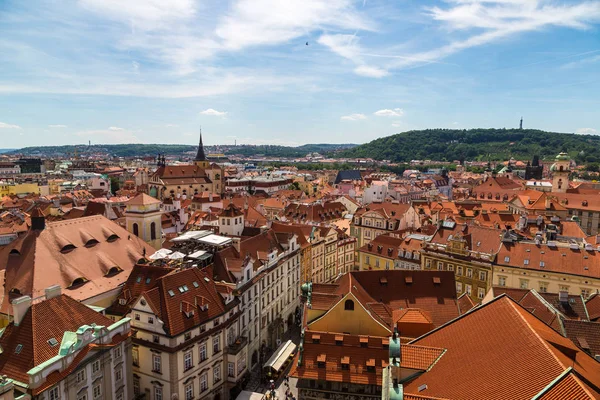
{"x": 349, "y": 305}
{"x": 136, "y": 229}
{"x": 153, "y": 231}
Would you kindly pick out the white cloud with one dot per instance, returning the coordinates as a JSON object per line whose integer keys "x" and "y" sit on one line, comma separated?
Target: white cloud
{"x": 268, "y": 22}
{"x": 116, "y": 128}
{"x": 143, "y": 14}
{"x": 57, "y": 126}
{"x": 348, "y": 47}
{"x": 370, "y": 72}
{"x": 396, "y": 112}
{"x": 4, "y": 125}
{"x": 582, "y": 62}
{"x": 353, "y": 117}
{"x": 171, "y": 126}
{"x": 213, "y": 112}
{"x": 135, "y": 66}
{"x": 587, "y": 131}
{"x": 396, "y": 124}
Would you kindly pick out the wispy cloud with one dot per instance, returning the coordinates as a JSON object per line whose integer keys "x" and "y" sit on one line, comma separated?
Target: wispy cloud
{"x": 583, "y": 62}
{"x": 4, "y": 125}
{"x": 587, "y": 131}
{"x": 353, "y": 117}
{"x": 115, "y": 128}
{"x": 171, "y": 126}
{"x": 396, "y": 112}
{"x": 466, "y": 24}
{"x": 213, "y": 112}
{"x": 57, "y": 126}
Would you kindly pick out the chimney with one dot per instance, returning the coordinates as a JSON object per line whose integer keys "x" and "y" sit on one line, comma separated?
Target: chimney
{"x": 52, "y": 292}
{"x": 563, "y": 296}
{"x": 20, "y": 307}
{"x": 210, "y": 197}
{"x": 38, "y": 221}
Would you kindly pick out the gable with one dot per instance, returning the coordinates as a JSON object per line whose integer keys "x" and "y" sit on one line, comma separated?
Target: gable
{"x": 355, "y": 322}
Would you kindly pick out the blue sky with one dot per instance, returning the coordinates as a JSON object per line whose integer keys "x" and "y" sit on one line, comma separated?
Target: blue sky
{"x": 153, "y": 71}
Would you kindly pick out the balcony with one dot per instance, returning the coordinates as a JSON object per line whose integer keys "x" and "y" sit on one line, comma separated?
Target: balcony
{"x": 238, "y": 345}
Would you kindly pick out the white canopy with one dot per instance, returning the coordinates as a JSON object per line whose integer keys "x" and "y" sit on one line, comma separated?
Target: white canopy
{"x": 160, "y": 254}
{"x": 281, "y": 355}
{"x": 176, "y": 256}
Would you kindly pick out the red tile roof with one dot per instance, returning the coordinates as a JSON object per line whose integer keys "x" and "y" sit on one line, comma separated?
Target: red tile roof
{"x": 511, "y": 355}
{"x": 593, "y": 306}
{"x": 87, "y": 248}
{"x": 172, "y": 310}
{"x": 45, "y": 320}
{"x": 358, "y": 354}
{"x": 555, "y": 259}
{"x": 438, "y": 300}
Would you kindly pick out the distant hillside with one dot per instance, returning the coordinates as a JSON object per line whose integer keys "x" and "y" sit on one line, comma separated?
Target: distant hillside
{"x": 285, "y": 151}
{"x": 478, "y": 144}
{"x": 5, "y": 150}
{"x": 141, "y": 150}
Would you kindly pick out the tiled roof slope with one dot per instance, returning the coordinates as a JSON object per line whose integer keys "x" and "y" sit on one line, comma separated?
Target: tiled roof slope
{"x": 547, "y": 258}
{"x": 593, "y": 306}
{"x": 141, "y": 279}
{"x": 569, "y": 387}
{"x": 385, "y": 291}
{"x": 499, "y": 351}
{"x": 584, "y": 334}
{"x": 322, "y": 347}
{"x": 67, "y": 250}
{"x": 44, "y": 320}
{"x": 172, "y": 309}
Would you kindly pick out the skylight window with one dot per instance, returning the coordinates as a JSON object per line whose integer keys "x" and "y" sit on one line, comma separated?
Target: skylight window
{"x": 52, "y": 342}
{"x": 138, "y": 280}
{"x": 147, "y": 280}
{"x": 195, "y": 284}
{"x": 181, "y": 289}
{"x": 171, "y": 293}
{"x": 18, "y": 349}
{"x": 185, "y": 288}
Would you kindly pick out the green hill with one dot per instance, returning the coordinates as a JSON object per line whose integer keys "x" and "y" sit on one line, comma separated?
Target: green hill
{"x": 140, "y": 150}
{"x": 478, "y": 144}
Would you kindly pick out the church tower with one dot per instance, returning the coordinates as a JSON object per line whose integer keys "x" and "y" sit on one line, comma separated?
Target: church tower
{"x": 142, "y": 217}
{"x": 200, "y": 159}
{"x": 560, "y": 173}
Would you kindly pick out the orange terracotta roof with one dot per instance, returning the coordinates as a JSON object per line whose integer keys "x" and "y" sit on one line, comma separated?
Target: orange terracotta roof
{"x": 94, "y": 249}
{"x": 398, "y": 293}
{"x": 511, "y": 353}
{"x": 142, "y": 199}
{"x": 323, "y": 358}
{"x": 34, "y": 331}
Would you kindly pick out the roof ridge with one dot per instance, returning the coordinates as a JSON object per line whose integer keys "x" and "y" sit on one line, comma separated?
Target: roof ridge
{"x": 542, "y": 341}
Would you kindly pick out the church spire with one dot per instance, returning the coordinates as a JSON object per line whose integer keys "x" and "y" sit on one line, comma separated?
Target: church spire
{"x": 200, "y": 156}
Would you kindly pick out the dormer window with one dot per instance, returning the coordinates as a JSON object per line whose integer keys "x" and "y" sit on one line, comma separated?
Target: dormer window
{"x": 78, "y": 282}
{"x": 91, "y": 243}
{"x": 113, "y": 271}
{"x": 68, "y": 248}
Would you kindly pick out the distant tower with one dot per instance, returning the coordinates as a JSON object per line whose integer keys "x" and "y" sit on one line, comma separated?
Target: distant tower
{"x": 560, "y": 173}
{"x": 521, "y": 124}
{"x": 200, "y": 159}
{"x": 143, "y": 219}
